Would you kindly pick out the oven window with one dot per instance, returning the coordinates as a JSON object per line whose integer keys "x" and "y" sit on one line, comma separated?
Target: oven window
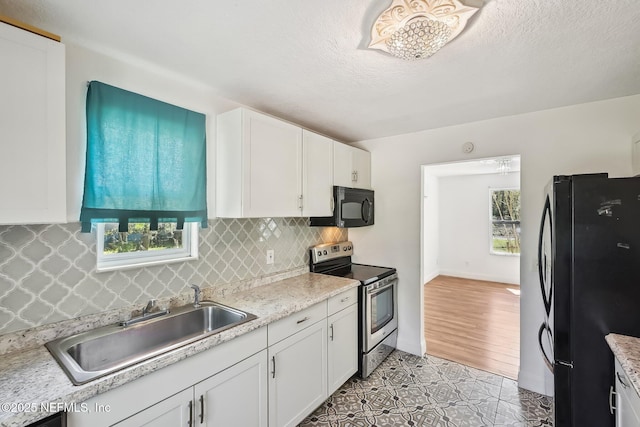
{"x": 381, "y": 309}
{"x": 351, "y": 210}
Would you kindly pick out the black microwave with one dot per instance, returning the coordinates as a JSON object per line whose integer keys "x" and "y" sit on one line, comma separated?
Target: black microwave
{"x": 352, "y": 207}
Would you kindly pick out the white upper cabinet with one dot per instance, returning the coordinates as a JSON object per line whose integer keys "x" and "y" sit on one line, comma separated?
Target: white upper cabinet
{"x": 32, "y": 128}
{"x": 266, "y": 167}
{"x": 351, "y": 166}
{"x": 258, "y": 166}
{"x": 317, "y": 174}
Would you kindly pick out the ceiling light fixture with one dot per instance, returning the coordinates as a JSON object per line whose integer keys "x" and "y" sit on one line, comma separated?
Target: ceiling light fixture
{"x": 414, "y": 29}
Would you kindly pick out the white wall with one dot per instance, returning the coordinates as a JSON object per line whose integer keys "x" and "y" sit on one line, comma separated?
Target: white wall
{"x": 590, "y": 137}
{"x": 431, "y": 231}
{"x": 84, "y": 65}
{"x": 465, "y": 228}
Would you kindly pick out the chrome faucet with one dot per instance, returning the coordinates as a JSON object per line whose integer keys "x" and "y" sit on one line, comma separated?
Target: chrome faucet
{"x": 196, "y": 297}
{"x": 146, "y": 314}
{"x": 146, "y": 310}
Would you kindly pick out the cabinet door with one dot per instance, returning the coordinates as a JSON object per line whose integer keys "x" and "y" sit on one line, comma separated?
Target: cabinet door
{"x": 342, "y": 165}
{"x": 272, "y": 167}
{"x": 236, "y": 396}
{"x": 32, "y": 122}
{"x": 342, "y": 346}
{"x": 317, "y": 174}
{"x": 362, "y": 168}
{"x": 627, "y": 401}
{"x": 171, "y": 412}
{"x": 297, "y": 375}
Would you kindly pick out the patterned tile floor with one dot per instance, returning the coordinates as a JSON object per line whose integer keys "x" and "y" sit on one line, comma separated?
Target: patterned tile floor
{"x": 407, "y": 390}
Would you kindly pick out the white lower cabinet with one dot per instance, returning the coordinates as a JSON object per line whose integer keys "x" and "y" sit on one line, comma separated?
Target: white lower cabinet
{"x": 297, "y": 375}
{"x": 236, "y": 396}
{"x": 342, "y": 347}
{"x": 627, "y": 407}
{"x": 273, "y": 376}
{"x": 176, "y": 410}
{"x": 231, "y": 379}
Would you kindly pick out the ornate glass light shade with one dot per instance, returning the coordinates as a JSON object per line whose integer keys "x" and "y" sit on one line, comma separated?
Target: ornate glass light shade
{"x": 414, "y": 29}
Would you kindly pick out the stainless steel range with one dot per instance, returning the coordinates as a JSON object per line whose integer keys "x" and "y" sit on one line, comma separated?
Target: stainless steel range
{"x": 377, "y": 301}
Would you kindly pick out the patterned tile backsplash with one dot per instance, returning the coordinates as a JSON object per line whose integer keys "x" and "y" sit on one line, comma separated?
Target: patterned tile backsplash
{"x": 48, "y": 272}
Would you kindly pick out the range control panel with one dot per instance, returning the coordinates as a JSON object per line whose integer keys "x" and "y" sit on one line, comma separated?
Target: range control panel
{"x": 329, "y": 251}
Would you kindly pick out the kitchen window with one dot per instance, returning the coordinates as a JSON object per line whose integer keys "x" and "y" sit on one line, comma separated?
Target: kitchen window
{"x": 145, "y": 178}
{"x": 140, "y": 246}
{"x": 504, "y": 217}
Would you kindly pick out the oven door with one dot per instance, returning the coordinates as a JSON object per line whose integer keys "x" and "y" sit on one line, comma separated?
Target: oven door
{"x": 380, "y": 314}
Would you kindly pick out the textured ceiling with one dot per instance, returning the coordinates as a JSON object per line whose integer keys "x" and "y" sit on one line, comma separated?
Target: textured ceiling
{"x": 306, "y": 61}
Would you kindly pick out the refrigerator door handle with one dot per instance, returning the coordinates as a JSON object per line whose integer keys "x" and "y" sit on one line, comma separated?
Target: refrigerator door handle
{"x": 563, "y": 363}
{"x": 546, "y": 213}
{"x": 541, "y": 331}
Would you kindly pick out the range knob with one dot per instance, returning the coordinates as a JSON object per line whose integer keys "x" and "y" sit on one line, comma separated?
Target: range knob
{"x": 324, "y": 252}
{"x": 319, "y": 253}
{"x": 349, "y": 247}
{"x": 344, "y": 248}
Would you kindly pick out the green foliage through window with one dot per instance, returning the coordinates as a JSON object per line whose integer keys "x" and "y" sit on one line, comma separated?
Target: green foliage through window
{"x": 140, "y": 238}
{"x": 505, "y": 221}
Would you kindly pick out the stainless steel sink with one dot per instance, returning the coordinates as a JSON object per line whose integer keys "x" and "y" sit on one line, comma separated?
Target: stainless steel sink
{"x": 90, "y": 355}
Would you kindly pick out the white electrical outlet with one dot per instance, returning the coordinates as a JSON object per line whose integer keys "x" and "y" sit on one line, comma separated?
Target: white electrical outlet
{"x": 270, "y": 256}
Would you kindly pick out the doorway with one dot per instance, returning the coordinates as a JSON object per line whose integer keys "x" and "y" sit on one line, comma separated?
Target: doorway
{"x": 471, "y": 263}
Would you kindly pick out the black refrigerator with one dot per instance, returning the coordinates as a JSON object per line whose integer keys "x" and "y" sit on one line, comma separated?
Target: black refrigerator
{"x": 589, "y": 268}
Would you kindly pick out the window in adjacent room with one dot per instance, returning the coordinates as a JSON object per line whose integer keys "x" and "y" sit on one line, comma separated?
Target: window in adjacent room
{"x": 505, "y": 221}
{"x": 145, "y": 179}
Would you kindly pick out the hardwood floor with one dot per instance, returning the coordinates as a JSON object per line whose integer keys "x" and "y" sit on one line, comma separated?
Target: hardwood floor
{"x": 474, "y": 322}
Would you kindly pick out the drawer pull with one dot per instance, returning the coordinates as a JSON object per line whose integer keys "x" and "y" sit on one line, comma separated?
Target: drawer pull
{"x": 201, "y": 409}
{"x": 190, "y": 421}
{"x": 331, "y": 327}
{"x": 345, "y": 299}
{"x": 302, "y": 320}
{"x": 611, "y": 394}
{"x": 620, "y": 378}
{"x": 273, "y": 361}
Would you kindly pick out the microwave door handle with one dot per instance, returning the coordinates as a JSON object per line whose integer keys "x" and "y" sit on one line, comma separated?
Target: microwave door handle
{"x": 366, "y": 210}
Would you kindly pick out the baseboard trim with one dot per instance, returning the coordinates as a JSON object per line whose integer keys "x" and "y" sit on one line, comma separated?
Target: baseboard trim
{"x": 429, "y": 277}
{"x": 474, "y": 276}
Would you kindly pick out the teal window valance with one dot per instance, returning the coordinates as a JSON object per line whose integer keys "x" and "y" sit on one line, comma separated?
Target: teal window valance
{"x": 146, "y": 161}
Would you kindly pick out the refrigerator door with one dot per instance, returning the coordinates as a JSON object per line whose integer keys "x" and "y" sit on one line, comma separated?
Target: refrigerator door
{"x": 605, "y": 288}
{"x": 560, "y": 315}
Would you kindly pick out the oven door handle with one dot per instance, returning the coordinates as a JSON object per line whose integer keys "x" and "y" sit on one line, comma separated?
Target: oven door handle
{"x": 382, "y": 288}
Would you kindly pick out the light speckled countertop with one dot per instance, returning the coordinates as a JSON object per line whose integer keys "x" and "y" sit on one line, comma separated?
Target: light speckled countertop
{"x": 31, "y": 376}
{"x": 627, "y": 350}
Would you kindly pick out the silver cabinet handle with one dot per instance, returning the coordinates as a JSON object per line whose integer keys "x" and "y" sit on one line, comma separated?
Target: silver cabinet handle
{"x": 611, "y": 394}
{"x": 201, "y": 409}
{"x": 190, "y": 421}
{"x": 300, "y": 204}
{"x": 302, "y": 320}
{"x": 345, "y": 299}
{"x": 620, "y": 378}
{"x": 331, "y": 336}
{"x": 273, "y": 362}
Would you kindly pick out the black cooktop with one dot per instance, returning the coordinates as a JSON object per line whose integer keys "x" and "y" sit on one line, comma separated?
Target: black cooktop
{"x": 364, "y": 273}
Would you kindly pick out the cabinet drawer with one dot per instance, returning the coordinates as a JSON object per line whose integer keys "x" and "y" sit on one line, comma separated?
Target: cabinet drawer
{"x": 624, "y": 386}
{"x": 296, "y": 322}
{"x": 343, "y": 300}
